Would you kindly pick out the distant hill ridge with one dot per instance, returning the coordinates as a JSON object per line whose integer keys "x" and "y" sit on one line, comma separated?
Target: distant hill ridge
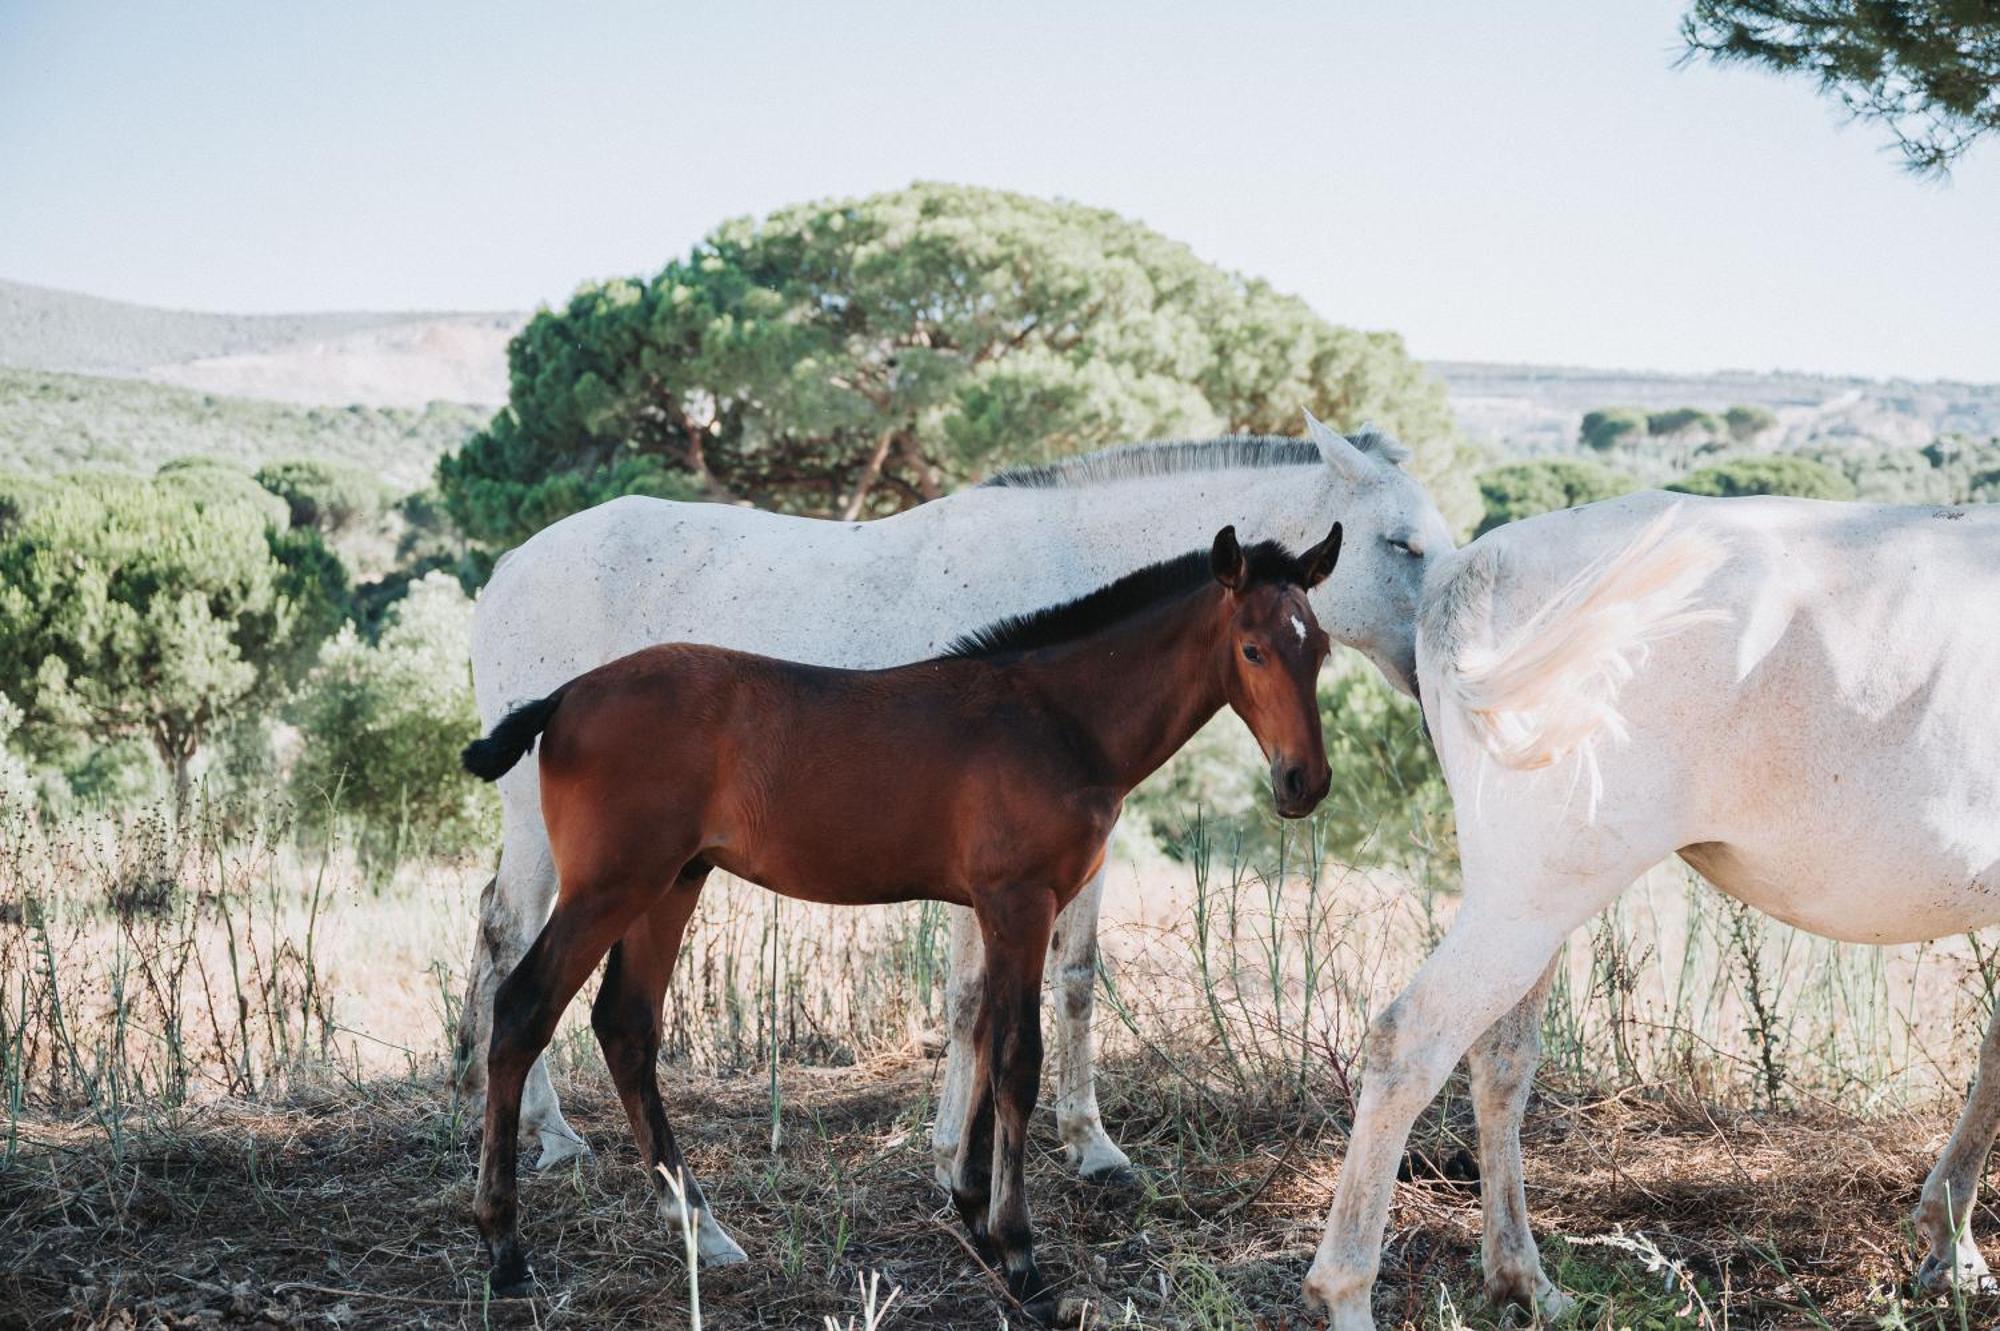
{"x": 373, "y": 358}
{"x": 405, "y": 360}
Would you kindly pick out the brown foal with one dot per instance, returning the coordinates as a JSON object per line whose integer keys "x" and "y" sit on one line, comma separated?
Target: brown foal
{"x": 988, "y": 777}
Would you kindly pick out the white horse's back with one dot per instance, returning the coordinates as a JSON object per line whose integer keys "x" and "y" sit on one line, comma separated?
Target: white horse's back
{"x": 1819, "y": 739}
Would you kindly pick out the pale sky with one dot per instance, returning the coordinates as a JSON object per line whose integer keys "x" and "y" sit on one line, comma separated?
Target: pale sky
{"x": 1520, "y": 182}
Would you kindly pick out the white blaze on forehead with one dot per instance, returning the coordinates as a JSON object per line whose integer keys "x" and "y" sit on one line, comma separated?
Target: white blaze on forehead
{"x": 1299, "y": 627}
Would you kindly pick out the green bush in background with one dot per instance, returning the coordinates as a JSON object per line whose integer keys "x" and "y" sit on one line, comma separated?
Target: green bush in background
{"x": 154, "y": 609}
{"x": 1387, "y": 805}
{"x": 1779, "y": 475}
{"x": 382, "y": 725}
{"x": 1525, "y": 489}
{"x": 329, "y": 497}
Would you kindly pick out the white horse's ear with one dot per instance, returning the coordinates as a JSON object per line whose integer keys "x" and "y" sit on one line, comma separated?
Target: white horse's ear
{"x": 1342, "y": 456}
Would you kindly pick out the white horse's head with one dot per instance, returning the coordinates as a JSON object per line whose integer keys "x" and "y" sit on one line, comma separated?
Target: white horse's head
{"x": 1394, "y": 532}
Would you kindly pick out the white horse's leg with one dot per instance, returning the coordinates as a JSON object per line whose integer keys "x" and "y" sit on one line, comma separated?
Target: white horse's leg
{"x": 962, "y": 997}
{"x": 1501, "y": 1064}
{"x": 1486, "y": 964}
{"x": 512, "y": 910}
{"x": 1072, "y": 964}
{"x": 1948, "y": 1194}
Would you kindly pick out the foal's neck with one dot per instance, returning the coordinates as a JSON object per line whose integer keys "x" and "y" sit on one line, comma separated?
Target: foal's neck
{"x": 1139, "y": 690}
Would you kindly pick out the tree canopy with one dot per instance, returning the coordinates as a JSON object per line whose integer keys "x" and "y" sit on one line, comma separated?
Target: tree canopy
{"x": 1524, "y": 489}
{"x": 1929, "y": 70}
{"x": 155, "y": 607}
{"x": 855, "y": 356}
{"x": 1607, "y": 427}
{"x": 330, "y": 497}
{"x": 1782, "y": 475}
{"x": 1746, "y": 423}
{"x": 1676, "y": 421}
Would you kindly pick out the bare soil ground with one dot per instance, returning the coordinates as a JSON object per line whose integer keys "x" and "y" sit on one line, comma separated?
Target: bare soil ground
{"x": 350, "y": 1208}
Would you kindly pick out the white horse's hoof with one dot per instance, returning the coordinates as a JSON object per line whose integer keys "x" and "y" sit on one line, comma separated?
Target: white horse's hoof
{"x": 1552, "y": 1305}
{"x": 1968, "y": 1274}
{"x": 1529, "y": 1290}
{"x": 560, "y": 1149}
{"x": 1345, "y": 1309}
{"x": 725, "y": 1253}
{"x": 712, "y": 1244}
{"x": 1095, "y": 1156}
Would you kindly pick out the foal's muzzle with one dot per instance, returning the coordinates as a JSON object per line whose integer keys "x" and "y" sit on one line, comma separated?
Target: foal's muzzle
{"x": 1296, "y": 790}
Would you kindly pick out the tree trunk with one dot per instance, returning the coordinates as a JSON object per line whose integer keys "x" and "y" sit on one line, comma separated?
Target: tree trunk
{"x": 183, "y": 786}
{"x": 177, "y": 751}
{"x": 927, "y": 479}
{"x": 870, "y": 473}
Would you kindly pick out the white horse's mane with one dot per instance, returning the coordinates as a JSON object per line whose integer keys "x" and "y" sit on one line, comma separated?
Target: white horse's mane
{"x": 1173, "y": 456}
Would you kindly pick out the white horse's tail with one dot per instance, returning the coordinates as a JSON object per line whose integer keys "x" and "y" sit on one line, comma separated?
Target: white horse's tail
{"x": 1549, "y": 687}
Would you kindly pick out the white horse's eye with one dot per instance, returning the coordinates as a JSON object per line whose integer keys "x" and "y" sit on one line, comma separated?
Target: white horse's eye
{"x": 1406, "y": 544}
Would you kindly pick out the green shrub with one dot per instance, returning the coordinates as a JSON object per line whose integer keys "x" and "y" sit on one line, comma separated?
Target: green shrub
{"x": 1787, "y": 475}
{"x": 329, "y": 497}
{"x": 1608, "y": 427}
{"x": 383, "y": 724}
{"x": 1524, "y": 489}
{"x": 1683, "y": 420}
{"x": 154, "y": 608}
{"x": 1746, "y": 423}
{"x": 1387, "y": 805}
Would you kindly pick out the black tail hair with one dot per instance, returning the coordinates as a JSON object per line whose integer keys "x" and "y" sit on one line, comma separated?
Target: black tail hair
{"x": 491, "y": 758}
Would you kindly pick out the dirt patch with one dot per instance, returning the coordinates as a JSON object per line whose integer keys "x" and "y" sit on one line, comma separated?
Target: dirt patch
{"x": 350, "y": 1207}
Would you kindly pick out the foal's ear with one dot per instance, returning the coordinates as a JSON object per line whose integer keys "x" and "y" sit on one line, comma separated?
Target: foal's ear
{"x": 1226, "y": 559}
{"x": 1319, "y": 561}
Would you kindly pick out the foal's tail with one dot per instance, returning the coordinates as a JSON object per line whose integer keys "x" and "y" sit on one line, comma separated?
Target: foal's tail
{"x": 1547, "y": 688}
{"x": 493, "y": 757}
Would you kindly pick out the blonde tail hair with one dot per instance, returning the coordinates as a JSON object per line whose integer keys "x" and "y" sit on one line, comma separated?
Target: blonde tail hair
{"x": 1549, "y": 688}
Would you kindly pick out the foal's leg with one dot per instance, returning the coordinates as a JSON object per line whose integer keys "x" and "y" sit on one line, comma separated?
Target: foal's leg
{"x": 1073, "y": 960}
{"x": 1502, "y": 1067}
{"x": 1015, "y": 927}
{"x": 511, "y": 909}
{"x": 588, "y": 918}
{"x": 1948, "y": 1194}
{"x": 627, "y": 1017}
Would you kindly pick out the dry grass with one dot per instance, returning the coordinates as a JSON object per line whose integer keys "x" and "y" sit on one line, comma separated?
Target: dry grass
{"x": 221, "y": 1060}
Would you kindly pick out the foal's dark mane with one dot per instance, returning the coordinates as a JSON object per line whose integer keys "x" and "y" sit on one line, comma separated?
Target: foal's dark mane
{"x": 1066, "y": 621}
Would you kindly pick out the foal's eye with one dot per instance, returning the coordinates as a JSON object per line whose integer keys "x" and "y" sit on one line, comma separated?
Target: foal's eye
{"x": 1252, "y": 655}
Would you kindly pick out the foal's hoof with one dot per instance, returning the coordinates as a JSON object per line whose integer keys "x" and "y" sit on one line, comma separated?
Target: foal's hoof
{"x": 1034, "y": 1295}
{"x": 511, "y": 1277}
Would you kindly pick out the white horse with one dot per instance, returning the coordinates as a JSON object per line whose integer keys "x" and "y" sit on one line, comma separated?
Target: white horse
{"x": 635, "y": 572}
{"x": 1795, "y": 697}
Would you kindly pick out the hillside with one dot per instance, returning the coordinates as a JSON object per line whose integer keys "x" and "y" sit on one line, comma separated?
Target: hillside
{"x": 462, "y": 358}
{"x": 1536, "y": 409}
{"x": 54, "y": 422}
{"x": 381, "y": 358}
{"x": 46, "y": 329}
